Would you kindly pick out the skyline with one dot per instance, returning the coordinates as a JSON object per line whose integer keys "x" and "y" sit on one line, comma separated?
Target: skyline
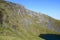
{"x": 48, "y": 7}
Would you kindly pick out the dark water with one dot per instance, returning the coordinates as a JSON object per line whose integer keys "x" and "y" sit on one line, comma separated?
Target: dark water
{"x": 50, "y": 36}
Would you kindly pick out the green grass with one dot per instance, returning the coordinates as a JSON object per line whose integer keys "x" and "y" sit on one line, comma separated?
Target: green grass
{"x": 17, "y": 38}
{"x": 21, "y": 31}
{"x": 9, "y": 38}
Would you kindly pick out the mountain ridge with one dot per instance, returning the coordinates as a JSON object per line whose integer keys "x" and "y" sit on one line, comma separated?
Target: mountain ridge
{"x": 17, "y": 21}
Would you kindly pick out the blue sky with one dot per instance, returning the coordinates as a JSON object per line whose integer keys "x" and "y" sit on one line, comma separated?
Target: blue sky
{"x": 48, "y": 7}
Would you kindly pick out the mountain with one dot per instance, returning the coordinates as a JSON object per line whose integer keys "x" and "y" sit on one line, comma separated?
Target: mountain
{"x": 19, "y": 23}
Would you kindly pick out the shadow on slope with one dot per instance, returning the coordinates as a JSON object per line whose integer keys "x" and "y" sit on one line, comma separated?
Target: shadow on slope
{"x": 50, "y": 36}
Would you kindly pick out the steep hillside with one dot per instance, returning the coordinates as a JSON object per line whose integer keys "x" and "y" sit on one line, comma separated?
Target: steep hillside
{"x": 19, "y": 23}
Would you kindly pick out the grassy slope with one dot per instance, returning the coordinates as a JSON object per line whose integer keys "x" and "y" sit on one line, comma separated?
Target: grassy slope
{"x": 15, "y": 29}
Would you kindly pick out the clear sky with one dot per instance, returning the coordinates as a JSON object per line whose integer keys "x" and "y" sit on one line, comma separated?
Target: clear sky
{"x": 48, "y": 7}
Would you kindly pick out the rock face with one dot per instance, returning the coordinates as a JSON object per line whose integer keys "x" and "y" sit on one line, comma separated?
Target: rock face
{"x": 16, "y": 20}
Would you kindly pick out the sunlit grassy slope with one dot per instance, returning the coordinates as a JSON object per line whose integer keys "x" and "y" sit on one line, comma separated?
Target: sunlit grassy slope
{"x": 19, "y": 23}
